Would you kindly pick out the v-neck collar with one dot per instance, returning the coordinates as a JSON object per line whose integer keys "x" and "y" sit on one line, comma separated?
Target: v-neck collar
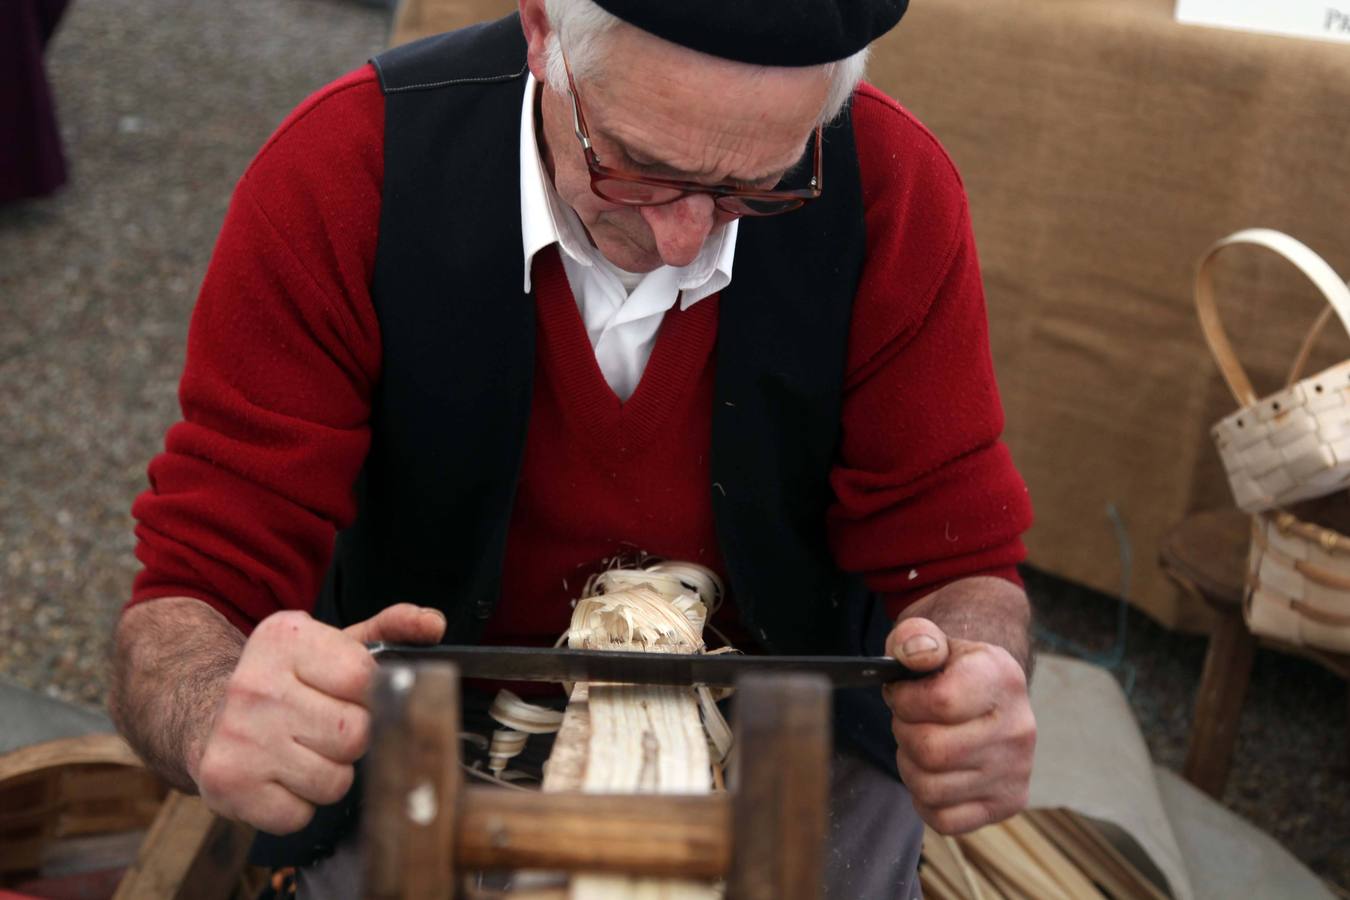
{"x": 683, "y": 349}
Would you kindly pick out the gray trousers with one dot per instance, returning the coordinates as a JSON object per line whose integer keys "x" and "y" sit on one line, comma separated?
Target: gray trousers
{"x": 872, "y": 848}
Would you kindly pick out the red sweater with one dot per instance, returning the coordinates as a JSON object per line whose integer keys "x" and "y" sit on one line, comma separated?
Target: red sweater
{"x": 284, "y": 352}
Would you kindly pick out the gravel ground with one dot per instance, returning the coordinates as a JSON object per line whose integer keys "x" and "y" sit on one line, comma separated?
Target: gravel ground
{"x": 162, "y": 104}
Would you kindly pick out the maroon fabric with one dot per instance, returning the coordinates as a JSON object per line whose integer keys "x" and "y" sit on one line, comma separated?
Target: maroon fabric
{"x": 602, "y": 479}
{"x": 31, "y": 162}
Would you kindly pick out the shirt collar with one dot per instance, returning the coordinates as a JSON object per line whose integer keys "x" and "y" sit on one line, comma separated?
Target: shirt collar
{"x": 545, "y": 220}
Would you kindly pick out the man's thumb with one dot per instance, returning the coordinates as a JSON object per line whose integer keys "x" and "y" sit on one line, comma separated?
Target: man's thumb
{"x": 402, "y": 623}
{"x": 919, "y": 644}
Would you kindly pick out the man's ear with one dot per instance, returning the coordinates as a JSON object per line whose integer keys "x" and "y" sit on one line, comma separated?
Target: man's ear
{"x": 534, "y": 22}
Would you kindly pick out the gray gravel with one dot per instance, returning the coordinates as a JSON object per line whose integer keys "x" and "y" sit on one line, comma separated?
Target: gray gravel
{"x": 162, "y": 104}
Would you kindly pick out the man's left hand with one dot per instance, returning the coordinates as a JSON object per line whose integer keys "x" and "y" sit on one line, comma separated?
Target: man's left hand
{"x": 966, "y": 733}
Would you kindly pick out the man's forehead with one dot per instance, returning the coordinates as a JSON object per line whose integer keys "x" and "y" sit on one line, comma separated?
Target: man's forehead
{"x": 695, "y": 115}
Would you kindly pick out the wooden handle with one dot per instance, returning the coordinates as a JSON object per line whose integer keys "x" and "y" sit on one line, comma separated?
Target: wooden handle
{"x": 684, "y": 836}
{"x": 1305, "y": 260}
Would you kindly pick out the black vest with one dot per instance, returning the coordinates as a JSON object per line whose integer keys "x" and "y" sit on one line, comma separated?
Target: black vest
{"x": 452, "y": 407}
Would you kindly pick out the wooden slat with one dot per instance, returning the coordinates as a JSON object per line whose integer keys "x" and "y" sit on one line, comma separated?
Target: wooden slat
{"x": 190, "y": 853}
{"x": 657, "y": 835}
{"x": 86, "y": 749}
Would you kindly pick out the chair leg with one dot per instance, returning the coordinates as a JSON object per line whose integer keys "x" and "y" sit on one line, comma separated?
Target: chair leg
{"x": 1218, "y": 704}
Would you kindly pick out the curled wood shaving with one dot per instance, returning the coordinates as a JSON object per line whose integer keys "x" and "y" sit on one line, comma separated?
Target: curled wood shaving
{"x": 513, "y": 712}
{"x": 506, "y": 746}
{"x": 520, "y": 719}
{"x": 639, "y": 618}
{"x": 660, "y": 607}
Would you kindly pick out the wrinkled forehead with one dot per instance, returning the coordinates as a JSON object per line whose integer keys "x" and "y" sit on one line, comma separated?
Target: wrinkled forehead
{"x": 651, "y": 90}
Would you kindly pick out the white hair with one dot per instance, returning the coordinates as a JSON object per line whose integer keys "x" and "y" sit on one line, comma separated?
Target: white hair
{"x": 582, "y": 25}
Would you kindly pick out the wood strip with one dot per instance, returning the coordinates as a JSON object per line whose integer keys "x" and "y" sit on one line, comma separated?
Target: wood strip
{"x": 565, "y": 769}
{"x": 938, "y": 851}
{"x": 1082, "y": 854}
{"x": 1007, "y": 887}
{"x": 632, "y": 739}
{"x": 936, "y": 886}
{"x": 964, "y": 869}
{"x": 1039, "y": 848}
{"x": 1015, "y": 873}
{"x": 986, "y": 888}
{"x": 1127, "y": 870}
{"x": 1111, "y": 872}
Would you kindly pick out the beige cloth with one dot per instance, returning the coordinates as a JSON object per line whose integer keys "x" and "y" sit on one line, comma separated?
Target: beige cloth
{"x": 1091, "y": 757}
{"x": 1104, "y": 147}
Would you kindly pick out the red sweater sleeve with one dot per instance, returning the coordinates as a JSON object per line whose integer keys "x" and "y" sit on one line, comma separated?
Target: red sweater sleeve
{"x": 926, "y": 491}
{"x": 283, "y": 353}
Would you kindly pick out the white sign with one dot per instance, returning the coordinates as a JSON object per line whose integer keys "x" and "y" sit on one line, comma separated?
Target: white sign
{"x": 1328, "y": 19}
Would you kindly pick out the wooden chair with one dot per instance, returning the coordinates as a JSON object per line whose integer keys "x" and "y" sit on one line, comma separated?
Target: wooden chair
{"x": 74, "y": 815}
{"x": 1207, "y": 555}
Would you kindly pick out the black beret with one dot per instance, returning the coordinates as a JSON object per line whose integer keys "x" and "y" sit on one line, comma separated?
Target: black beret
{"x": 764, "y": 32}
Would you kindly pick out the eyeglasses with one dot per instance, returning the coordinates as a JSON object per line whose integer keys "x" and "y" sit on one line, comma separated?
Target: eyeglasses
{"x": 630, "y": 189}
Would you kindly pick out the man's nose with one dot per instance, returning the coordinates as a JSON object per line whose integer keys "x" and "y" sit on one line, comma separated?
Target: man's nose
{"x": 681, "y": 227}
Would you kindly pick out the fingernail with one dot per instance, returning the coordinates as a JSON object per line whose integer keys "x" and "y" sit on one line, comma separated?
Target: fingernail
{"x": 434, "y": 611}
{"x": 920, "y": 643}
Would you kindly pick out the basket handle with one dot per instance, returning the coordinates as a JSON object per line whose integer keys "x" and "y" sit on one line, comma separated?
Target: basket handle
{"x": 1300, "y": 361}
{"x": 1305, "y": 260}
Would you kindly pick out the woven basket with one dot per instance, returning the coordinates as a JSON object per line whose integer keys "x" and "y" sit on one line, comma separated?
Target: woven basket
{"x": 1298, "y": 582}
{"x": 1294, "y": 444}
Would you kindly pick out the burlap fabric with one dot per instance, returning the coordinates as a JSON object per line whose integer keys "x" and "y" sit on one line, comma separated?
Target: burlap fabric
{"x": 1104, "y": 147}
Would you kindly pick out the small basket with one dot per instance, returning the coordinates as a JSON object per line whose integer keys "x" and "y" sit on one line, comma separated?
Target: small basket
{"x": 1294, "y": 444}
{"x": 1298, "y": 582}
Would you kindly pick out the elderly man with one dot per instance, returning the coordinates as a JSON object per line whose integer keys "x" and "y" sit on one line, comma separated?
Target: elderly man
{"x": 431, "y": 383}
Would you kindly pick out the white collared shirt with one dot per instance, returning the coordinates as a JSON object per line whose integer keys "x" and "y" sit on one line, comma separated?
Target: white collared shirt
{"x": 622, "y": 310}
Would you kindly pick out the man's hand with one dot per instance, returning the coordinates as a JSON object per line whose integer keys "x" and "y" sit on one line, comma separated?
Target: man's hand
{"x": 965, "y": 734}
{"x": 293, "y": 718}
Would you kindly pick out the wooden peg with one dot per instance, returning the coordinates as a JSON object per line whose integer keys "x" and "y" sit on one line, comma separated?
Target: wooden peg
{"x": 413, "y": 785}
{"x": 781, "y": 788}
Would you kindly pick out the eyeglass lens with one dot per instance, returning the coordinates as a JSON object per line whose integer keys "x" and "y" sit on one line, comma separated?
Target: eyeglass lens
{"x": 632, "y": 193}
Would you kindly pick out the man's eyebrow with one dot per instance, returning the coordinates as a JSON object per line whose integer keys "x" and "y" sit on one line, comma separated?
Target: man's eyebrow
{"x": 670, "y": 171}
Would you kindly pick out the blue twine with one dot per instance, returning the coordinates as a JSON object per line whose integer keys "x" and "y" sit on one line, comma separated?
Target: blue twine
{"x": 1112, "y": 658}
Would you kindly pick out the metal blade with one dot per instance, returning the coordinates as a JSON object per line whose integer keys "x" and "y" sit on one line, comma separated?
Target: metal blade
{"x": 625, "y": 667}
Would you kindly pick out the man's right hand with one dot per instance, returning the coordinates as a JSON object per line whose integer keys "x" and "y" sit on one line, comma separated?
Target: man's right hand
{"x": 293, "y": 718}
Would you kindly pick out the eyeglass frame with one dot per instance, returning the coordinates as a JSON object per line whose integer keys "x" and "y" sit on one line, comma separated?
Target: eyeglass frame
{"x": 600, "y": 172}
